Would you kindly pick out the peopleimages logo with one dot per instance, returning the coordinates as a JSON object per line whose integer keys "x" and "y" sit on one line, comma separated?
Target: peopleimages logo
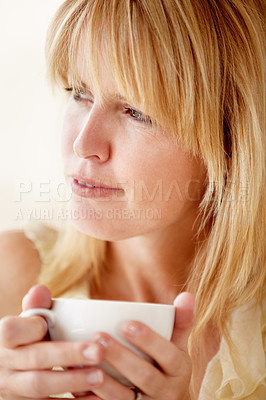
{"x": 134, "y": 191}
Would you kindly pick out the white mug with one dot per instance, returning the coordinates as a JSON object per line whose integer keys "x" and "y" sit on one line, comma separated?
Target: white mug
{"x": 77, "y": 320}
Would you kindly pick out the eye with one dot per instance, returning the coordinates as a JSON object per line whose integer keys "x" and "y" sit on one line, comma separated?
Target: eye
{"x": 80, "y": 94}
{"x": 138, "y": 115}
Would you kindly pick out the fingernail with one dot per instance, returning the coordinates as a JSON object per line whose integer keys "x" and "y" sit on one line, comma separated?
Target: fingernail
{"x": 134, "y": 328}
{"x": 25, "y": 298}
{"x": 179, "y": 302}
{"x": 95, "y": 377}
{"x": 104, "y": 341}
{"x": 184, "y": 300}
{"x": 32, "y": 289}
{"x": 91, "y": 352}
{"x": 44, "y": 323}
{"x": 40, "y": 321}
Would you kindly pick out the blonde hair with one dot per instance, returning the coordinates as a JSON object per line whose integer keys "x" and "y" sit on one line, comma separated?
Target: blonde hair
{"x": 197, "y": 69}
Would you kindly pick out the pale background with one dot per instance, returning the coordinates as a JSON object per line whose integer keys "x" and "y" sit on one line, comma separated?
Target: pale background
{"x": 31, "y": 116}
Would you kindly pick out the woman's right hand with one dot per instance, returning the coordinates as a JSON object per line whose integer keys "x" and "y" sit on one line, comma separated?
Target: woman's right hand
{"x": 26, "y": 361}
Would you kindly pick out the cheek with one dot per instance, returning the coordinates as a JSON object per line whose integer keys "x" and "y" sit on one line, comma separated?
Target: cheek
{"x": 170, "y": 177}
{"x": 68, "y": 137}
{"x": 67, "y": 143}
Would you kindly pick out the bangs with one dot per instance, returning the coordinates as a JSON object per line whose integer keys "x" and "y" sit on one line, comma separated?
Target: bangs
{"x": 136, "y": 38}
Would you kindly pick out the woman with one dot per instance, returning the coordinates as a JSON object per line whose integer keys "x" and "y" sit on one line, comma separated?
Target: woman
{"x": 164, "y": 153}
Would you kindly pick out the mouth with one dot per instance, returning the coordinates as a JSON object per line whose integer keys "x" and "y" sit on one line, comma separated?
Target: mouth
{"x": 92, "y": 189}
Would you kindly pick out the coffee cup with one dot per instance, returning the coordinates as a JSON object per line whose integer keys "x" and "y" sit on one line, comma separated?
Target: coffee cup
{"x": 77, "y": 320}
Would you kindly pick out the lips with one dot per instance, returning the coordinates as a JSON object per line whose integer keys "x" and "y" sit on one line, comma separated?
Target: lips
{"x": 94, "y": 189}
{"x": 91, "y": 183}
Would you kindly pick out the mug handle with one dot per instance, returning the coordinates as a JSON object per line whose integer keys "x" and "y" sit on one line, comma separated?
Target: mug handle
{"x": 48, "y": 315}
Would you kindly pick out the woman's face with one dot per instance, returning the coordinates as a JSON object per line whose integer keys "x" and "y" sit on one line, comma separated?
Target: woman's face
{"x": 127, "y": 179}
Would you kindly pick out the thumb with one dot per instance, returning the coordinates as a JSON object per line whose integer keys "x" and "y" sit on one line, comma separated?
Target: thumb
{"x": 38, "y": 296}
{"x": 184, "y": 319}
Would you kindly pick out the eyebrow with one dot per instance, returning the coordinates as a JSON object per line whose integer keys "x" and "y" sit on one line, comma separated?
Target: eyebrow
{"x": 120, "y": 97}
{"x": 117, "y": 96}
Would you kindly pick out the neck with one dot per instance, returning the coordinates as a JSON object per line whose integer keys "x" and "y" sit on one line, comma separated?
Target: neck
{"x": 150, "y": 268}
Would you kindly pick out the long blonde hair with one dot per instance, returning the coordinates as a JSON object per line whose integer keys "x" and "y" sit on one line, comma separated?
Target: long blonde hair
{"x": 197, "y": 68}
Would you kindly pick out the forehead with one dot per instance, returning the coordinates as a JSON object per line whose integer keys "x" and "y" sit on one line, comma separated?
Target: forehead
{"x": 101, "y": 81}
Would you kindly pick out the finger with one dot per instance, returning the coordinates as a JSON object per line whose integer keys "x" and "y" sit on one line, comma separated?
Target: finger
{"x": 170, "y": 356}
{"x": 16, "y": 331}
{"x": 184, "y": 319}
{"x": 46, "y": 355}
{"x": 41, "y": 384}
{"x": 111, "y": 389}
{"x": 137, "y": 370}
{"x": 166, "y": 354}
{"x": 39, "y": 296}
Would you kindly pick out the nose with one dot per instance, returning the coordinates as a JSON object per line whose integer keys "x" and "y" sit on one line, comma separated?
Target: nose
{"x": 93, "y": 140}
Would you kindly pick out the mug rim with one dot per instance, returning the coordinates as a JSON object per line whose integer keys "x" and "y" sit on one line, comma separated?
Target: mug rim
{"x": 133, "y": 303}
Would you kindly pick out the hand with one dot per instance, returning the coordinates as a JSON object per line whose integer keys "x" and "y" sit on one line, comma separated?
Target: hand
{"x": 26, "y": 361}
{"x": 169, "y": 378}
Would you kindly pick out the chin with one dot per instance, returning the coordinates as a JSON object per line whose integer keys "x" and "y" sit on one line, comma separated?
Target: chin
{"x": 101, "y": 231}
{"x": 115, "y": 230}
{"x": 113, "y": 224}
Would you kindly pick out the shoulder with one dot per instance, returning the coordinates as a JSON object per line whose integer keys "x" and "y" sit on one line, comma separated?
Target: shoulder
{"x": 20, "y": 267}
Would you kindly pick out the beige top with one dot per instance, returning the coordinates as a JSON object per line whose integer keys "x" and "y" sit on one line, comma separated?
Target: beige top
{"x": 238, "y": 375}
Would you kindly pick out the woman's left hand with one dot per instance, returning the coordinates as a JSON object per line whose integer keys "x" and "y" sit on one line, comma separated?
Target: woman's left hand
{"x": 169, "y": 378}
